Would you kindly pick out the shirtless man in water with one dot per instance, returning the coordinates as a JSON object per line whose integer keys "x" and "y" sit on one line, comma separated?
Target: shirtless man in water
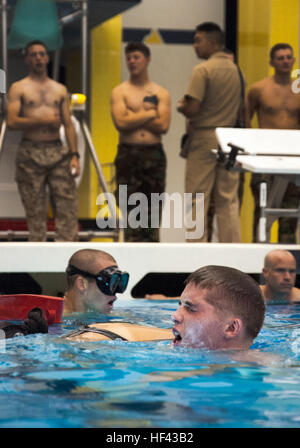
{"x": 279, "y": 272}
{"x": 38, "y": 106}
{"x": 221, "y": 308}
{"x": 277, "y": 107}
{"x": 140, "y": 111}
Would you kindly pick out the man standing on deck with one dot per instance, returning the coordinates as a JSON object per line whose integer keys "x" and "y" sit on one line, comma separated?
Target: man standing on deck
{"x": 38, "y": 106}
{"x": 140, "y": 111}
{"x": 213, "y": 99}
{"x": 277, "y": 106}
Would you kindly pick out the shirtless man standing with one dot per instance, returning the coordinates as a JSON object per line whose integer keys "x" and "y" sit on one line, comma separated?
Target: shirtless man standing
{"x": 277, "y": 107}
{"x": 279, "y": 272}
{"x": 38, "y": 106}
{"x": 140, "y": 111}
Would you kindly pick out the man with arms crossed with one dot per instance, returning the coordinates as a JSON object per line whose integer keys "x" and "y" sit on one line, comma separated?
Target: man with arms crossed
{"x": 212, "y": 99}
{"x": 277, "y": 107}
{"x": 38, "y": 106}
{"x": 140, "y": 111}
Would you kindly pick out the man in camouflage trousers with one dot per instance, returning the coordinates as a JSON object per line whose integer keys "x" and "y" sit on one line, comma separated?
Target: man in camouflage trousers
{"x": 38, "y": 106}
{"x": 146, "y": 171}
{"x": 35, "y": 163}
{"x": 141, "y": 113}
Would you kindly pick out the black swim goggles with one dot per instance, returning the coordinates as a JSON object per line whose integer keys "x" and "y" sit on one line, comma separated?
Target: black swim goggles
{"x": 110, "y": 280}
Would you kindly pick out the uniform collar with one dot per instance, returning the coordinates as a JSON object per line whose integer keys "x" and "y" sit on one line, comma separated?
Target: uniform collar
{"x": 218, "y": 54}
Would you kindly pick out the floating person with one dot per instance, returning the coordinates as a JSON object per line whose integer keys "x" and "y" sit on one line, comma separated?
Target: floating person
{"x": 221, "y": 309}
{"x": 119, "y": 330}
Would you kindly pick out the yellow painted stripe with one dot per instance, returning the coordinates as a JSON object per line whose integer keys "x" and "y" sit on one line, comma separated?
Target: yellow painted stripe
{"x": 253, "y": 49}
{"x": 105, "y": 75}
{"x": 262, "y": 24}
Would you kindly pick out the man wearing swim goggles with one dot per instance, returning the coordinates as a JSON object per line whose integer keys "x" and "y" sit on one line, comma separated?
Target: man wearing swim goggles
{"x": 93, "y": 279}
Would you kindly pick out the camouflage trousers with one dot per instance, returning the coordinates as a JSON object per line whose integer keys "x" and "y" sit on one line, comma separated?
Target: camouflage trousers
{"x": 287, "y": 226}
{"x": 143, "y": 169}
{"x": 43, "y": 173}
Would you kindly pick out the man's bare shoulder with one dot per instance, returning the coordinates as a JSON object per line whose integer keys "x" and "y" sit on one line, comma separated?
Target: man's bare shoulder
{"x": 258, "y": 86}
{"x": 295, "y": 295}
{"x": 19, "y": 85}
{"x": 121, "y": 88}
{"x": 161, "y": 90}
{"x": 27, "y": 83}
{"x": 57, "y": 86}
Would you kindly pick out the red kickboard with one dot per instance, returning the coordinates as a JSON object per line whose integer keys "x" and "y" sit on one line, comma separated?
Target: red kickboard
{"x": 17, "y": 306}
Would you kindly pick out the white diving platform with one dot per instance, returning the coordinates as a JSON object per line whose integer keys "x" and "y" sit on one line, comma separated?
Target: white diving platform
{"x": 265, "y": 151}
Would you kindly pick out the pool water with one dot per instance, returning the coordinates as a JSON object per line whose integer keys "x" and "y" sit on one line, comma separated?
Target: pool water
{"x": 49, "y": 382}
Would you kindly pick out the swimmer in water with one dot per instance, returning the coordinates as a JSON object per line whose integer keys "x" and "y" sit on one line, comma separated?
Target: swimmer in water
{"x": 221, "y": 308}
{"x": 93, "y": 281}
{"x": 279, "y": 273}
{"x": 119, "y": 330}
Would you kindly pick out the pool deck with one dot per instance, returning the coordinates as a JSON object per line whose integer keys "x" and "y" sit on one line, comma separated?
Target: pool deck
{"x": 139, "y": 258}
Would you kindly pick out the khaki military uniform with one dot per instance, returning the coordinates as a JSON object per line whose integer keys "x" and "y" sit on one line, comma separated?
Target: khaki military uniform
{"x": 215, "y": 83}
{"x": 40, "y": 165}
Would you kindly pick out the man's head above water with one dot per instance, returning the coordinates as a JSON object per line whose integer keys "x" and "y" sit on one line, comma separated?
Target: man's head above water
{"x": 279, "y": 274}
{"x": 220, "y": 308}
{"x": 85, "y": 271}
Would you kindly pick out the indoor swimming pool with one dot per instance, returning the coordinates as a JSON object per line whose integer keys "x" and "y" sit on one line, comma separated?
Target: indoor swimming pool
{"x": 50, "y": 382}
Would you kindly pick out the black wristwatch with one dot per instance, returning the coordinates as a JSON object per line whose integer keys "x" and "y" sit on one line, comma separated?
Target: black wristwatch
{"x": 75, "y": 154}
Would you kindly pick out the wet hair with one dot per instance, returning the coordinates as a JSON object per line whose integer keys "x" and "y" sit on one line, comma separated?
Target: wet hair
{"x": 280, "y": 46}
{"x": 34, "y": 42}
{"x": 35, "y": 323}
{"x": 232, "y": 291}
{"x": 87, "y": 260}
{"x": 138, "y": 46}
{"x": 212, "y": 30}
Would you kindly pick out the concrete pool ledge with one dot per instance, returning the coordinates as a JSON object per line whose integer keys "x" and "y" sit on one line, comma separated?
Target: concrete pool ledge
{"x": 139, "y": 259}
